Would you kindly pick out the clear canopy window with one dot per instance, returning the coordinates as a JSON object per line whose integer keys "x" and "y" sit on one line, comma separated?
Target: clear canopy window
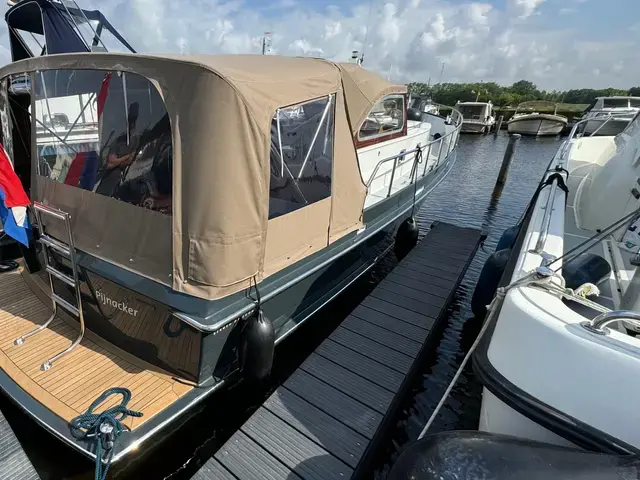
{"x": 107, "y": 132}
{"x": 386, "y": 117}
{"x": 301, "y": 155}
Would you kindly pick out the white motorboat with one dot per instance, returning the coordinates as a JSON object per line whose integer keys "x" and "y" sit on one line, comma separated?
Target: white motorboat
{"x": 477, "y": 117}
{"x": 528, "y": 121}
{"x": 609, "y": 115}
{"x": 559, "y": 354}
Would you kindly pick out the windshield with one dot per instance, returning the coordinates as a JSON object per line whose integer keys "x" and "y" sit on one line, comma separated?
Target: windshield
{"x": 473, "y": 112}
{"x": 615, "y": 103}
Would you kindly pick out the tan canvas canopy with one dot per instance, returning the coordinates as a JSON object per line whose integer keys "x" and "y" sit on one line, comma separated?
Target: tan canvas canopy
{"x": 219, "y": 236}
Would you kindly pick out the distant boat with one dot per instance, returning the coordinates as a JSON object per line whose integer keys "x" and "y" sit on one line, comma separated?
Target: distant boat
{"x": 477, "y": 117}
{"x": 610, "y": 115}
{"x": 532, "y": 122}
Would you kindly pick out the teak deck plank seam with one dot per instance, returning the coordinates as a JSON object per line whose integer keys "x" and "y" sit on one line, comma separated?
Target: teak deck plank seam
{"x": 77, "y": 379}
{"x": 327, "y": 420}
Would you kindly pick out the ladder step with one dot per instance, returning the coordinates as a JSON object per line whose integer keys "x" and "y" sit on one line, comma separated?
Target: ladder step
{"x": 55, "y": 244}
{"x": 62, "y": 302}
{"x": 61, "y": 276}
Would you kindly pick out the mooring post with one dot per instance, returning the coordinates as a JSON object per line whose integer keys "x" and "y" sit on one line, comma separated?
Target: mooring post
{"x": 508, "y": 157}
{"x": 498, "y": 125}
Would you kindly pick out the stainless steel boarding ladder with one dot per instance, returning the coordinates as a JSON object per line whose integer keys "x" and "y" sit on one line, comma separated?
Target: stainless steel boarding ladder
{"x": 68, "y": 251}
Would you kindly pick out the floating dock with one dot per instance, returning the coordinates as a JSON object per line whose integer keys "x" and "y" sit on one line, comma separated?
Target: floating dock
{"x": 327, "y": 420}
{"x": 14, "y": 463}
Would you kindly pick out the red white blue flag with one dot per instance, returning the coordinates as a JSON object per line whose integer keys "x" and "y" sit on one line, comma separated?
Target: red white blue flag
{"x": 13, "y": 202}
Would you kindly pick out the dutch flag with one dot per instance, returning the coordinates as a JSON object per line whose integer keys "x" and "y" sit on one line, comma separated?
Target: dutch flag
{"x": 13, "y": 202}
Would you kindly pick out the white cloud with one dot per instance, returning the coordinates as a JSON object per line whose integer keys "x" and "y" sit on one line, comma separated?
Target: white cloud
{"x": 567, "y": 11}
{"x": 475, "y": 40}
{"x": 525, "y": 8}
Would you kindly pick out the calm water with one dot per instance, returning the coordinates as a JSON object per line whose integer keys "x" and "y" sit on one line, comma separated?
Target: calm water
{"x": 465, "y": 198}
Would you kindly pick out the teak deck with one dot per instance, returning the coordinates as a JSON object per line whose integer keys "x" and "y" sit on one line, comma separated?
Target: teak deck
{"x": 78, "y": 378}
{"x": 326, "y": 420}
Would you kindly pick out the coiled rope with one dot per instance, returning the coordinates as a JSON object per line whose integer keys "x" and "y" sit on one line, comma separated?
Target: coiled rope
{"x": 104, "y": 428}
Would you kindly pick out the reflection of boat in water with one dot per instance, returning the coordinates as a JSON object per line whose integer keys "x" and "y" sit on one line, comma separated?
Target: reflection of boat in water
{"x": 478, "y": 117}
{"x": 190, "y": 241}
{"x": 527, "y": 121}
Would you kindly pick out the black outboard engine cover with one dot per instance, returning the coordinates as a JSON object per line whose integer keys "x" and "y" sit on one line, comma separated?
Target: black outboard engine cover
{"x": 486, "y": 456}
{"x": 257, "y": 346}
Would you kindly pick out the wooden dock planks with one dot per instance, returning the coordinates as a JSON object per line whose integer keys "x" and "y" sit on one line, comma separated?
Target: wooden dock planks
{"x": 14, "y": 463}
{"x": 325, "y": 421}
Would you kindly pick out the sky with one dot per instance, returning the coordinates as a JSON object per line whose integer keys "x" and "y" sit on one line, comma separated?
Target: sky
{"x": 557, "y": 44}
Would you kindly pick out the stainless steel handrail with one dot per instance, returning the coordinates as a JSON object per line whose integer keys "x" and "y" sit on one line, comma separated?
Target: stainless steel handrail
{"x": 598, "y": 324}
{"x": 373, "y": 176}
{"x": 574, "y": 129}
{"x": 546, "y": 219}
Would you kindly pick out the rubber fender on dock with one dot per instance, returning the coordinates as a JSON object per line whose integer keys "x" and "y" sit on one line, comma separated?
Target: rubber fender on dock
{"x": 257, "y": 346}
{"x": 488, "y": 281}
{"x": 476, "y": 455}
{"x": 508, "y": 238}
{"x": 406, "y": 238}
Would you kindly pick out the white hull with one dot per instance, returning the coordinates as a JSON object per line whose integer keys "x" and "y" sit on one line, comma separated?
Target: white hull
{"x": 470, "y": 126}
{"x": 537, "y": 125}
{"x": 498, "y": 417}
{"x": 553, "y": 370}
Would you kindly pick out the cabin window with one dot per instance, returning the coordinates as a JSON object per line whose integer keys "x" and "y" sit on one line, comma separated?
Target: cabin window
{"x": 106, "y": 132}
{"x": 301, "y": 155}
{"x": 615, "y": 103}
{"x": 386, "y": 117}
{"x": 634, "y": 102}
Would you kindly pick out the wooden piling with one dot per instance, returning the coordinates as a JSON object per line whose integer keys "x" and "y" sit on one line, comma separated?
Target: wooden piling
{"x": 508, "y": 157}
{"x": 498, "y": 126}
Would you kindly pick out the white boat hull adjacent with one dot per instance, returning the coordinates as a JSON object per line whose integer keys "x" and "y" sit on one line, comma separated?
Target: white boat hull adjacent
{"x": 470, "y": 126}
{"x": 498, "y": 417}
{"x": 537, "y": 125}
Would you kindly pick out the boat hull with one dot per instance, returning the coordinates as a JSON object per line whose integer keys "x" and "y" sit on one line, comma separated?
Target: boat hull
{"x": 538, "y": 125}
{"x": 474, "y": 127}
{"x": 293, "y": 298}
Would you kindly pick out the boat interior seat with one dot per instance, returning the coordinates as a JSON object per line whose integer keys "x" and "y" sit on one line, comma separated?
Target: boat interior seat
{"x": 474, "y": 455}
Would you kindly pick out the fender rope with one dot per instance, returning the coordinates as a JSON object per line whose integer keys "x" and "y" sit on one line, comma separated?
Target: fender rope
{"x": 104, "y": 428}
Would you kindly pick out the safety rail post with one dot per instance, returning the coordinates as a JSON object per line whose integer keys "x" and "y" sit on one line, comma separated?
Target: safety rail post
{"x": 393, "y": 173}
{"x": 426, "y": 157}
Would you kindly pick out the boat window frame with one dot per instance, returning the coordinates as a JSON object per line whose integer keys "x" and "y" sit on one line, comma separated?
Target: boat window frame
{"x": 328, "y": 118}
{"x": 116, "y": 72}
{"x": 388, "y": 135}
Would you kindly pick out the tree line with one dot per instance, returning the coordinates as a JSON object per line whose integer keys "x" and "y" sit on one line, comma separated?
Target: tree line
{"x": 505, "y": 96}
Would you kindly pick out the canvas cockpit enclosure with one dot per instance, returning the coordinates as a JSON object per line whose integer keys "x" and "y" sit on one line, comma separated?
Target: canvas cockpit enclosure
{"x": 259, "y": 151}
{"x": 39, "y": 27}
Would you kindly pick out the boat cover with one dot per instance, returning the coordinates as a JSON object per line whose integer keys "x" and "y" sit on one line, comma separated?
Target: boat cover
{"x": 219, "y": 237}
{"x": 57, "y": 23}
